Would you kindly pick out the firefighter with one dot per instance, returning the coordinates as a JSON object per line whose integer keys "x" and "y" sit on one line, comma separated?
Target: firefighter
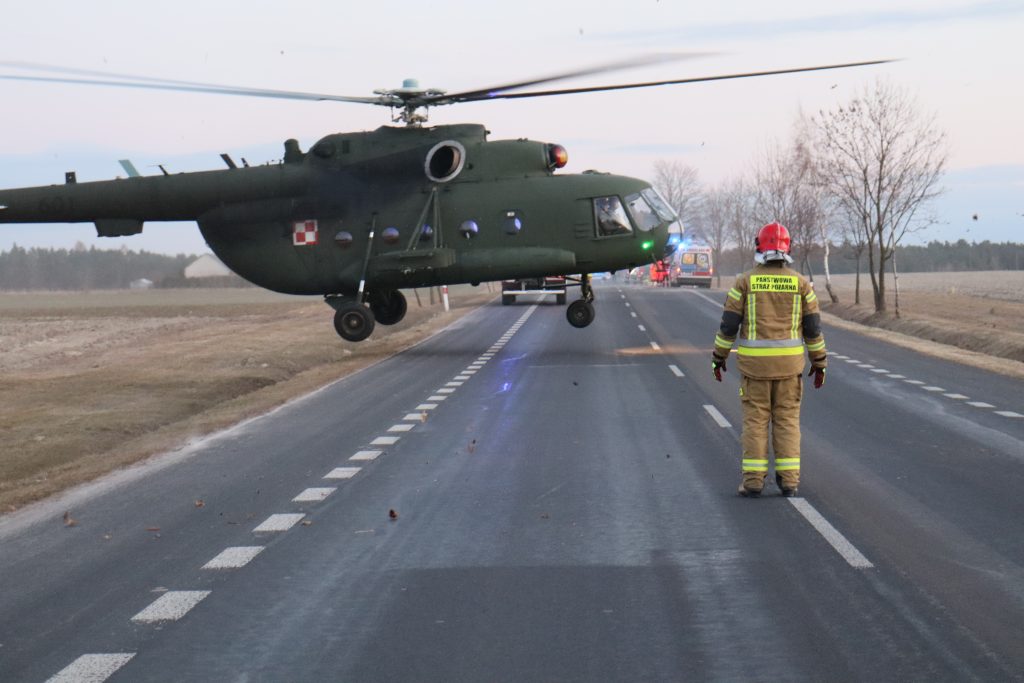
{"x": 773, "y": 311}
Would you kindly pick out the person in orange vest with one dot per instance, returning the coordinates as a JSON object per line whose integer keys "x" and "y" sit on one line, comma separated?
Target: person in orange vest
{"x": 659, "y": 272}
{"x": 772, "y": 314}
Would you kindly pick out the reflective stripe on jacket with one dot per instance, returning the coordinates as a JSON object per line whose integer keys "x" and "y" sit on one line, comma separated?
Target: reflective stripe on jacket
{"x": 771, "y": 313}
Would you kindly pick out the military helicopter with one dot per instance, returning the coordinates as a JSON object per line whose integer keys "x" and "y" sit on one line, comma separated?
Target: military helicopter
{"x": 362, "y": 215}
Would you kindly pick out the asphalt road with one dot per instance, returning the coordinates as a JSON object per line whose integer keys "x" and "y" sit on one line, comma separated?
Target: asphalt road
{"x": 564, "y": 510}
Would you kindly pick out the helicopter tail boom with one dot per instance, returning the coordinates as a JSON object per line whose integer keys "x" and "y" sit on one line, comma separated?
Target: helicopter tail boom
{"x": 120, "y": 207}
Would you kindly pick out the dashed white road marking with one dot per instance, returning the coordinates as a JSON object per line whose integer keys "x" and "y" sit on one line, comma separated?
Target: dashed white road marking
{"x": 980, "y": 404}
{"x": 92, "y": 668}
{"x": 865, "y": 366}
{"x": 842, "y": 546}
{"x": 418, "y": 417}
{"x": 642, "y": 328}
{"x": 913, "y": 381}
{"x": 426, "y": 406}
{"x": 366, "y": 455}
{"x": 314, "y": 495}
{"x": 717, "y": 416}
{"x": 933, "y": 388}
{"x": 385, "y": 441}
{"x": 1008, "y": 413}
{"x": 894, "y": 376}
{"x": 676, "y": 371}
{"x": 840, "y": 357}
{"x": 958, "y": 397}
{"x": 170, "y": 606}
{"x": 468, "y": 372}
{"x": 654, "y": 345}
{"x": 342, "y": 473}
{"x": 632, "y": 314}
{"x": 234, "y": 558}
{"x": 436, "y": 398}
{"x": 850, "y": 360}
{"x": 879, "y": 370}
{"x": 404, "y": 427}
{"x": 279, "y": 522}
{"x": 462, "y": 378}
{"x": 446, "y": 390}
{"x": 454, "y": 384}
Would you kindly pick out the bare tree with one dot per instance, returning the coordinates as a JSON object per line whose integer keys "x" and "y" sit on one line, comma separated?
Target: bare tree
{"x": 743, "y": 222}
{"x": 679, "y": 184}
{"x": 881, "y": 161}
{"x": 716, "y": 223}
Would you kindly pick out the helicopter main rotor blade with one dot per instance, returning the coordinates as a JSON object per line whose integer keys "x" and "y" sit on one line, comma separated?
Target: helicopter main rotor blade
{"x": 147, "y": 83}
{"x": 625, "y": 86}
{"x": 486, "y": 93}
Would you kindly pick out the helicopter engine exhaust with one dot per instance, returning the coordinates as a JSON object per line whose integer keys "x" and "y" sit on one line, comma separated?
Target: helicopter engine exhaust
{"x": 445, "y": 161}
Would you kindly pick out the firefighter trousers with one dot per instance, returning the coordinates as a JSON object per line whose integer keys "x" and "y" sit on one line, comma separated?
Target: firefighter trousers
{"x": 771, "y": 405}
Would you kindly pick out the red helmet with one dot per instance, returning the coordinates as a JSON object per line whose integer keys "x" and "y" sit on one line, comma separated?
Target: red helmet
{"x": 772, "y": 238}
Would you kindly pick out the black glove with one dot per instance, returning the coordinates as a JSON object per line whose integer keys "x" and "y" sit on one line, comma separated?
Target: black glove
{"x": 718, "y": 367}
{"x": 819, "y": 376}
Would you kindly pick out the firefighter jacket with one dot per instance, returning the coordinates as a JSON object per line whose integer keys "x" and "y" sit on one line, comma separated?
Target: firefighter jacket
{"x": 771, "y": 312}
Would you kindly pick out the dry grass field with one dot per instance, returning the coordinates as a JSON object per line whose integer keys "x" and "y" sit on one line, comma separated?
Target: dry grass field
{"x": 978, "y": 311}
{"x": 95, "y": 381}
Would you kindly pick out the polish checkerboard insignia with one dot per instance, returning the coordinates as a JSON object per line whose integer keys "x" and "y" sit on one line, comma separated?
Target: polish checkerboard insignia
{"x": 304, "y": 233}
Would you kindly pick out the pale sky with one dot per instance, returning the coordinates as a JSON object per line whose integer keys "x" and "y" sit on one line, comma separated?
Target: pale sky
{"x": 963, "y": 61}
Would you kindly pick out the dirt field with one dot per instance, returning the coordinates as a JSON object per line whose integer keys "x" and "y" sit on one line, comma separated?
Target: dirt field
{"x": 979, "y": 311}
{"x": 94, "y": 381}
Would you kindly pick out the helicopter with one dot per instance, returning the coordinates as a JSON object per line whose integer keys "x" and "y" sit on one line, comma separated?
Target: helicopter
{"x": 362, "y": 215}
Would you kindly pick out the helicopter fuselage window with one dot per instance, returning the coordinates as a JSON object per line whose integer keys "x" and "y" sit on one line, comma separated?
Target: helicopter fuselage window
{"x": 643, "y": 213}
{"x": 610, "y": 217}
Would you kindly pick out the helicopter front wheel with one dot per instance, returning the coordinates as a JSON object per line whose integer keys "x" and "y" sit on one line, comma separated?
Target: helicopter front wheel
{"x": 353, "y": 322}
{"x": 580, "y": 313}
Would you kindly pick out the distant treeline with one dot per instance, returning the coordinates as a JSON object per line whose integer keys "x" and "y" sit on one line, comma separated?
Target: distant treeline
{"x": 81, "y": 268}
{"x": 932, "y": 257}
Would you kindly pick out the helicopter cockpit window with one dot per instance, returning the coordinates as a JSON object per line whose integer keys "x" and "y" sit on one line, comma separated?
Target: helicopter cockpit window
{"x": 611, "y": 217}
{"x": 642, "y": 213}
{"x": 662, "y": 207}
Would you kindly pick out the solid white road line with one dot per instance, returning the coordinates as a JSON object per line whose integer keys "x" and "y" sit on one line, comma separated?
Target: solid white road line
{"x": 342, "y": 473}
{"x": 92, "y": 668}
{"x": 401, "y": 428}
{"x": 234, "y": 558}
{"x": 314, "y": 495}
{"x": 852, "y": 556}
{"x": 385, "y": 441}
{"x": 279, "y": 522}
{"x": 717, "y": 416}
{"x": 980, "y": 404}
{"x": 676, "y": 371}
{"x": 170, "y": 606}
{"x": 366, "y": 455}
{"x": 1008, "y": 413}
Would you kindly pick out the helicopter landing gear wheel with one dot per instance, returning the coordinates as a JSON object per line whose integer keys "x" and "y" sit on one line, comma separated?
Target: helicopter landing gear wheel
{"x": 580, "y": 313}
{"x": 388, "y": 306}
{"x": 353, "y": 322}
